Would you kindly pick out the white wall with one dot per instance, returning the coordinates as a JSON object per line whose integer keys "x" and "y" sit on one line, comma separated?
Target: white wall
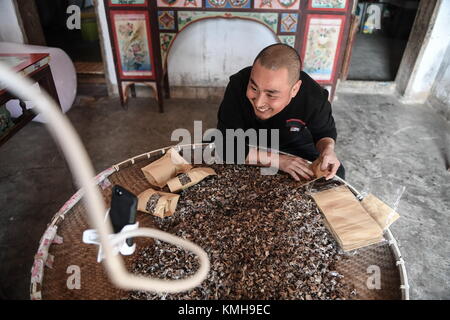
{"x": 440, "y": 93}
{"x": 10, "y": 30}
{"x": 207, "y": 52}
{"x": 442, "y": 85}
{"x": 430, "y": 57}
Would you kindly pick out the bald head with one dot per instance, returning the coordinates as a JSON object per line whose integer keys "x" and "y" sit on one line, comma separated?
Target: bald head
{"x": 278, "y": 56}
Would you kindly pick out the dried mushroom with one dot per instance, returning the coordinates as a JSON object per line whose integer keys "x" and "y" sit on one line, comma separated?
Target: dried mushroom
{"x": 264, "y": 236}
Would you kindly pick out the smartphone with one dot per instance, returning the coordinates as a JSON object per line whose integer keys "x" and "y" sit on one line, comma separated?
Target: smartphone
{"x": 123, "y": 209}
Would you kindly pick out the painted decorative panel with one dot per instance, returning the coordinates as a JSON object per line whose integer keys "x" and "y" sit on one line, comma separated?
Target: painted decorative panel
{"x": 322, "y": 36}
{"x": 268, "y": 19}
{"x": 128, "y": 2}
{"x": 277, "y": 4}
{"x": 166, "y": 40}
{"x": 320, "y": 27}
{"x": 289, "y": 22}
{"x": 229, "y": 4}
{"x": 166, "y": 20}
{"x": 180, "y": 3}
{"x": 132, "y": 41}
{"x": 328, "y": 4}
{"x": 289, "y": 40}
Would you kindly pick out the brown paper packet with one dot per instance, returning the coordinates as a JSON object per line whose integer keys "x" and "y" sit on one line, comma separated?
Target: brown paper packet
{"x": 351, "y": 246}
{"x": 157, "y": 203}
{"x": 379, "y": 211}
{"x": 189, "y": 178}
{"x": 347, "y": 220}
{"x": 315, "y": 167}
{"x": 165, "y": 168}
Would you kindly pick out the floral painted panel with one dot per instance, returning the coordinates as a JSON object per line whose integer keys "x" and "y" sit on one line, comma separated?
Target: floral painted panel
{"x": 277, "y": 4}
{"x": 321, "y": 47}
{"x": 180, "y": 3}
{"x": 328, "y": 4}
{"x": 289, "y": 40}
{"x": 228, "y": 4}
{"x": 132, "y": 44}
{"x": 165, "y": 39}
{"x": 268, "y": 19}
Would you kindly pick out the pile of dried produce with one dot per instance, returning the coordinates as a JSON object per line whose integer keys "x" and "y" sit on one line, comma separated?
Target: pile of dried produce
{"x": 263, "y": 234}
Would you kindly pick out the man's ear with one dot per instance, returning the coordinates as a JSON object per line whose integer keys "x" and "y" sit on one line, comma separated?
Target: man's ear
{"x": 295, "y": 88}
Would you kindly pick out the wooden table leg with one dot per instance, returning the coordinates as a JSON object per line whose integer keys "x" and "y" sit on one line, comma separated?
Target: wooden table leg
{"x": 133, "y": 90}
{"x": 166, "y": 85}
{"x": 47, "y": 83}
{"x": 160, "y": 96}
{"x": 45, "y": 80}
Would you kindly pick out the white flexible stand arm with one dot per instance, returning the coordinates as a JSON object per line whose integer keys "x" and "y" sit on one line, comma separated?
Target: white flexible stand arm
{"x": 83, "y": 173}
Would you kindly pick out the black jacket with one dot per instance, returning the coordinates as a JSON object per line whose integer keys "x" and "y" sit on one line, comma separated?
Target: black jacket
{"x": 303, "y": 122}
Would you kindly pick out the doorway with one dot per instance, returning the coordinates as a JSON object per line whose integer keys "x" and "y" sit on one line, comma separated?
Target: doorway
{"x": 82, "y": 45}
{"x": 382, "y": 31}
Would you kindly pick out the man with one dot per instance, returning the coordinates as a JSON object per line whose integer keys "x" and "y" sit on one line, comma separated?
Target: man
{"x": 275, "y": 94}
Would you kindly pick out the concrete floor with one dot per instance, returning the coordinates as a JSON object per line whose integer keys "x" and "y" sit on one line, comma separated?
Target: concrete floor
{"x": 407, "y": 144}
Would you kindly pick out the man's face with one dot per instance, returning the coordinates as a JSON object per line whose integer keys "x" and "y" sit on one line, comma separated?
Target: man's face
{"x": 270, "y": 91}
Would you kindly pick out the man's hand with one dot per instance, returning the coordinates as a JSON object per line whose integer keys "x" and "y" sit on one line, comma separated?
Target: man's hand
{"x": 328, "y": 159}
{"x": 295, "y": 166}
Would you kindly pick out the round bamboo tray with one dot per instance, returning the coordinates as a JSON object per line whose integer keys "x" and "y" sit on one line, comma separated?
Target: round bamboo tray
{"x": 62, "y": 254}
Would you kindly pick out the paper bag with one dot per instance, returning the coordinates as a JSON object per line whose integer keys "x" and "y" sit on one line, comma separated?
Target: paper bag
{"x": 189, "y": 178}
{"x": 168, "y": 166}
{"x": 379, "y": 211}
{"x": 347, "y": 220}
{"x": 315, "y": 167}
{"x": 157, "y": 203}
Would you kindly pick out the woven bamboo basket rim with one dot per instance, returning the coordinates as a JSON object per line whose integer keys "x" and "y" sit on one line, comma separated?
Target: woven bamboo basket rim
{"x": 42, "y": 258}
